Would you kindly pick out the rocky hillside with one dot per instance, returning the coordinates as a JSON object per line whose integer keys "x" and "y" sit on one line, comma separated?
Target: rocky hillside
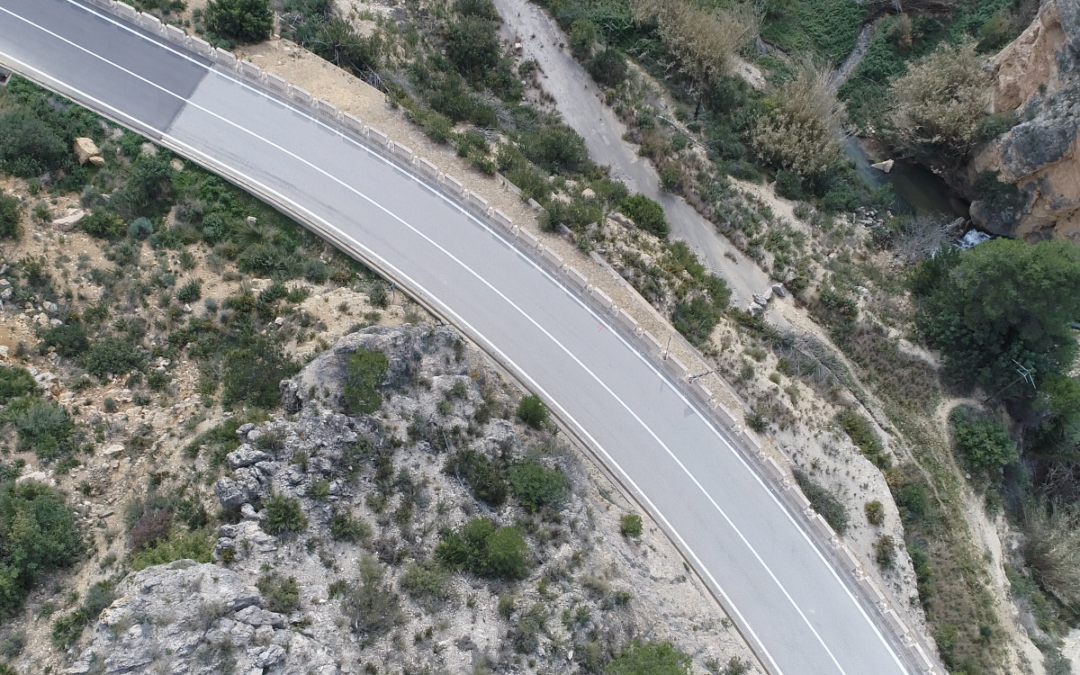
{"x": 1037, "y": 78}
{"x": 438, "y": 533}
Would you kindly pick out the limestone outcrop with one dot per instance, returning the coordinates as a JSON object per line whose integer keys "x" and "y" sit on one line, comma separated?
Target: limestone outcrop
{"x": 1037, "y": 79}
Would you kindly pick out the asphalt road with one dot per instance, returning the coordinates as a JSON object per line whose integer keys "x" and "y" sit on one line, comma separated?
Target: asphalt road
{"x": 787, "y": 599}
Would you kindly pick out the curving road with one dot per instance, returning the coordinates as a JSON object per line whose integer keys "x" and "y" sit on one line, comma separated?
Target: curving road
{"x": 793, "y": 607}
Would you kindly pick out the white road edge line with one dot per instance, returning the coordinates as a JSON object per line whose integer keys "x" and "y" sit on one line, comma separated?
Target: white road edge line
{"x": 501, "y": 295}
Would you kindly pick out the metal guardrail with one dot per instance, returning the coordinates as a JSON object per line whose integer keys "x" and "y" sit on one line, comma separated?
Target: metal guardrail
{"x": 745, "y": 442}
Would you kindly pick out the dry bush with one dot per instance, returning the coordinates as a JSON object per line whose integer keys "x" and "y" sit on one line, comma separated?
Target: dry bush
{"x": 940, "y": 102}
{"x": 802, "y": 131}
{"x": 920, "y": 237}
{"x": 1052, "y": 549}
{"x": 703, "y": 40}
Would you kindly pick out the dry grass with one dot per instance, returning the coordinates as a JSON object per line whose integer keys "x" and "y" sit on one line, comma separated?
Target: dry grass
{"x": 1052, "y": 548}
{"x": 803, "y": 131}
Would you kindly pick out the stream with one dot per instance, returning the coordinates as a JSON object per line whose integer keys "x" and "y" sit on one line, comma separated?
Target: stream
{"x": 923, "y": 190}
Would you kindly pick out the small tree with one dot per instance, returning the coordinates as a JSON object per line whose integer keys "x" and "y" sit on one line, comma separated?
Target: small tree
{"x": 583, "y": 35}
{"x": 532, "y": 411}
{"x": 1001, "y": 303}
{"x": 984, "y": 443}
{"x": 939, "y": 104}
{"x": 246, "y": 21}
{"x": 366, "y": 371}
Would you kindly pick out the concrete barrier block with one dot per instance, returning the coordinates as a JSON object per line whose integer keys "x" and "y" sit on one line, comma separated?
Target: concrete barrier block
{"x": 851, "y": 562}
{"x": 503, "y": 219}
{"x": 225, "y": 58}
{"x": 892, "y": 620}
{"x": 507, "y": 184}
{"x": 275, "y": 82}
{"x": 725, "y": 415}
{"x": 250, "y": 70}
{"x": 403, "y": 151}
{"x": 872, "y": 591}
{"x": 605, "y": 301}
{"x": 428, "y": 169}
{"x": 149, "y": 22}
{"x": 300, "y": 95}
{"x": 800, "y": 500}
{"x": 126, "y": 11}
{"x": 453, "y": 183}
{"x": 774, "y": 470}
{"x": 822, "y": 527}
{"x": 378, "y": 136}
{"x": 576, "y": 277}
{"x": 629, "y": 322}
{"x": 652, "y": 344}
{"x": 552, "y": 257}
{"x": 535, "y": 205}
{"x": 680, "y": 368}
{"x": 353, "y": 122}
{"x": 201, "y": 46}
{"x": 528, "y": 238}
{"x": 751, "y": 440}
{"x": 703, "y": 391}
{"x": 923, "y": 661}
{"x": 174, "y": 34}
{"x": 325, "y": 108}
{"x": 477, "y": 201}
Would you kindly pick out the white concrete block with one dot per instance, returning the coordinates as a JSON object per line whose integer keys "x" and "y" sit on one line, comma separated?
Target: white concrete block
{"x": 629, "y": 322}
{"x": 576, "y": 277}
{"x": 126, "y": 11}
{"x": 503, "y": 219}
{"x": 174, "y": 34}
{"x": 201, "y": 46}
{"x": 428, "y": 168}
{"x": 552, "y": 257}
{"x": 378, "y": 136}
{"x": 250, "y": 70}
{"x": 605, "y": 301}
{"x": 528, "y": 238}
{"x": 453, "y": 183}
{"x": 225, "y": 58}
{"x": 352, "y": 122}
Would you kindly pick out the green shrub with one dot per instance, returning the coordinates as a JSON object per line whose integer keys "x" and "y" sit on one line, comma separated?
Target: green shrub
{"x": 67, "y": 629}
{"x": 12, "y": 644}
{"x": 537, "y": 486}
{"x": 695, "y": 319}
{"x": 532, "y": 411}
{"x": 189, "y": 292}
{"x": 241, "y": 20}
{"x": 646, "y": 214}
{"x": 371, "y": 607}
{"x": 556, "y": 148}
{"x": 472, "y": 45}
{"x": 863, "y": 436}
{"x": 823, "y": 501}
{"x": 484, "y": 9}
{"x": 316, "y": 271}
{"x": 630, "y": 525}
{"x": 344, "y": 526}
{"x": 525, "y": 635}
{"x": 38, "y": 534}
{"x": 478, "y": 547}
{"x": 875, "y": 512}
{"x": 608, "y": 68}
{"x": 10, "y": 210}
{"x": 992, "y": 304}
{"x": 284, "y": 516}
{"x": 28, "y": 145}
{"x": 253, "y": 374}
{"x": 885, "y": 551}
{"x": 427, "y": 583}
{"x": 41, "y": 426}
{"x": 140, "y": 228}
{"x": 366, "y": 370}
{"x": 282, "y": 594}
{"x": 14, "y": 383}
{"x": 114, "y": 356}
{"x": 485, "y": 478}
{"x": 583, "y": 35}
{"x": 69, "y": 339}
{"x": 197, "y": 545}
{"x": 983, "y": 443}
{"x": 649, "y": 658}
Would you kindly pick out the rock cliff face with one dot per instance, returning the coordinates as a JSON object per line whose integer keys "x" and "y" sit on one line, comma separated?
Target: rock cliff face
{"x": 1038, "y": 79}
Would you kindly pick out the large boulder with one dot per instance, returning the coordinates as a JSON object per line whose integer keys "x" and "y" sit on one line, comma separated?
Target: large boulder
{"x": 190, "y": 619}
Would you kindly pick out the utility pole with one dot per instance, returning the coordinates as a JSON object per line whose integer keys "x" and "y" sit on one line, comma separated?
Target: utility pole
{"x": 1026, "y": 375}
